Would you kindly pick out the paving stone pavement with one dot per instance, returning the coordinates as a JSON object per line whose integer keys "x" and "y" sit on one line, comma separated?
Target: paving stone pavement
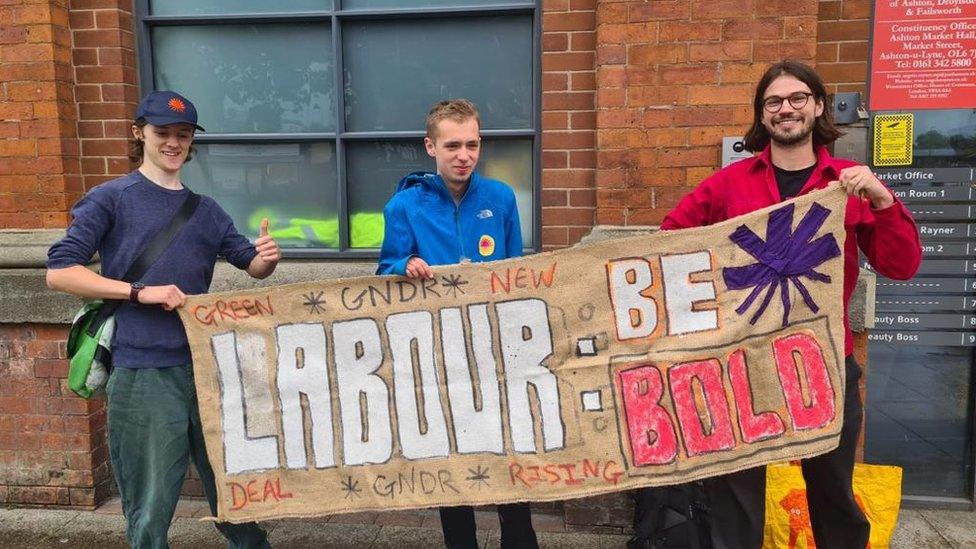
{"x": 104, "y": 528}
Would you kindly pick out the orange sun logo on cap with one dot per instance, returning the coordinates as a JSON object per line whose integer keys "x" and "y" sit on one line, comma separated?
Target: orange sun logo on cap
{"x": 486, "y": 245}
{"x": 177, "y": 104}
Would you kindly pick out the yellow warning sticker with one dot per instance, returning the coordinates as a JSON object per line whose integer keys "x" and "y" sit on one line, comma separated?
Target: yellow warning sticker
{"x": 893, "y": 139}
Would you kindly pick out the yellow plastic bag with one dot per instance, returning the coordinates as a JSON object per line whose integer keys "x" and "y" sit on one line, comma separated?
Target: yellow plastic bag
{"x": 877, "y": 490}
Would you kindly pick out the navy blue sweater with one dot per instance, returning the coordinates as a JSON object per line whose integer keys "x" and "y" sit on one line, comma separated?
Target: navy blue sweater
{"x": 118, "y": 219}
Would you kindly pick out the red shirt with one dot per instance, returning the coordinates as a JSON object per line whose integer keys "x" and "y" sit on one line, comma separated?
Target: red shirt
{"x": 888, "y": 237}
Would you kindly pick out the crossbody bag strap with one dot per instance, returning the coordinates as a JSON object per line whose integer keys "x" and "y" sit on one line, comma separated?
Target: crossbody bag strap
{"x": 162, "y": 240}
{"x": 149, "y": 255}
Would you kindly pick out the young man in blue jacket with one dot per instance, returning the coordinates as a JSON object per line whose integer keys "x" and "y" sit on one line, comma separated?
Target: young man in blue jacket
{"x": 455, "y": 216}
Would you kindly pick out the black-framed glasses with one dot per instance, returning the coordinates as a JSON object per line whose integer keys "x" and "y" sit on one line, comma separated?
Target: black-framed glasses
{"x": 797, "y": 100}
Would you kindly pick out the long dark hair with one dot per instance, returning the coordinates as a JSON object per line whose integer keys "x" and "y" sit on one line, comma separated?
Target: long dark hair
{"x": 824, "y": 130}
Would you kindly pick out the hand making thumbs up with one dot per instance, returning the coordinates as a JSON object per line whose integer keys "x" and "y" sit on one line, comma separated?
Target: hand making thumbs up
{"x": 266, "y": 246}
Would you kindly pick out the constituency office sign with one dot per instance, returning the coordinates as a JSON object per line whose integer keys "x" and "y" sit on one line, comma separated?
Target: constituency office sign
{"x": 643, "y": 361}
{"x": 923, "y": 55}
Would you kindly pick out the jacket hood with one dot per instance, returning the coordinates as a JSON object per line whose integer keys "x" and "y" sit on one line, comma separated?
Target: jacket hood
{"x": 431, "y": 181}
{"x": 417, "y": 178}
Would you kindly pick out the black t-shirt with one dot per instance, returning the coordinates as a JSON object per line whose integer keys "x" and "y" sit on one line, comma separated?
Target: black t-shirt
{"x": 791, "y": 181}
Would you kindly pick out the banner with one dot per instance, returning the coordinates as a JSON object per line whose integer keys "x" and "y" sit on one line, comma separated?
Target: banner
{"x": 636, "y": 362}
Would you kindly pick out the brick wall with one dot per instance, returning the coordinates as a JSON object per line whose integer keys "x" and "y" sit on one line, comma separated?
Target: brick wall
{"x": 843, "y": 30}
{"x": 568, "y": 121}
{"x": 38, "y": 140}
{"x": 107, "y": 85}
{"x": 674, "y": 77}
{"x": 52, "y": 444}
{"x": 67, "y": 88}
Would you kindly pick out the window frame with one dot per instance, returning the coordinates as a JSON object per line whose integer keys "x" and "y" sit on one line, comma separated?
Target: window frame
{"x": 336, "y": 16}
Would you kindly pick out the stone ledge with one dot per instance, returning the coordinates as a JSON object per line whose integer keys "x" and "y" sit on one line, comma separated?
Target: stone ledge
{"x": 26, "y": 297}
{"x": 26, "y": 248}
{"x": 600, "y": 233}
{"x": 861, "y": 311}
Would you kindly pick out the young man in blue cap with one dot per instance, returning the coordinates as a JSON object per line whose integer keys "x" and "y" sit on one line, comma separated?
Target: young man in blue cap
{"x": 455, "y": 216}
{"x": 153, "y": 418}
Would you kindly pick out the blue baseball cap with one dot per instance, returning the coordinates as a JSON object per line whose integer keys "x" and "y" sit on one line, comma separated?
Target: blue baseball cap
{"x": 162, "y": 108}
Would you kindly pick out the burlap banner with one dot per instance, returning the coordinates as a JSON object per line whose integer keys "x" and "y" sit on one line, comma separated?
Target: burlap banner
{"x": 642, "y": 361}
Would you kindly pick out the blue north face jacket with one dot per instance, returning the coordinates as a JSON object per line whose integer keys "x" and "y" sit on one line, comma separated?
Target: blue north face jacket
{"x": 421, "y": 219}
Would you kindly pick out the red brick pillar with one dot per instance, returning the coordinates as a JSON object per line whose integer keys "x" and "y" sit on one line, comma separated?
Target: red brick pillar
{"x": 52, "y": 443}
{"x": 38, "y": 140}
{"x": 568, "y": 121}
{"x": 107, "y": 85}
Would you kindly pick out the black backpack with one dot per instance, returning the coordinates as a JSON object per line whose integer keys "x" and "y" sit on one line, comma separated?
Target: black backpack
{"x": 667, "y": 517}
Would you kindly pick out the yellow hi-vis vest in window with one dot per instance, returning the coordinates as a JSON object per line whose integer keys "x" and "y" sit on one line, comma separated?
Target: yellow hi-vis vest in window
{"x": 365, "y": 229}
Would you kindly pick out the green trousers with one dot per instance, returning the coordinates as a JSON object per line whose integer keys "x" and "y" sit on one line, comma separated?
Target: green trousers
{"x": 153, "y": 430}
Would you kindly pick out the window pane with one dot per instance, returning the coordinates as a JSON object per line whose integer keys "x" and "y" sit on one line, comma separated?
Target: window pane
{"x": 945, "y": 138}
{"x": 918, "y": 416}
{"x": 293, "y": 185}
{"x": 195, "y": 7}
{"x": 919, "y": 405}
{"x": 251, "y": 78}
{"x": 511, "y": 161}
{"x": 376, "y": 4}
{"x": 373, "y": 170}
{"x": 397, "y": 69}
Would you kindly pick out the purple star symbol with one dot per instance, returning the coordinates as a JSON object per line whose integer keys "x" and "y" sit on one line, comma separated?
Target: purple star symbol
{"x": 784, "y": 257}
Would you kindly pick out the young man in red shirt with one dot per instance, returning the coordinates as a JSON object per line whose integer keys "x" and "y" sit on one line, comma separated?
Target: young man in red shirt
{"x": 791, "y": 129}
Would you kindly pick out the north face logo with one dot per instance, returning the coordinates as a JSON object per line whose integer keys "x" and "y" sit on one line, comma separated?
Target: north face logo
{"x": 485, "y": 214}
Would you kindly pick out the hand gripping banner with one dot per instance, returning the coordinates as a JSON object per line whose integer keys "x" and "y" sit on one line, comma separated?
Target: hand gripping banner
{"x": 637, "y": 362}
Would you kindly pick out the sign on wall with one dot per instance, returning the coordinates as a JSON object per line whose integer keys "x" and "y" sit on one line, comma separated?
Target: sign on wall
{"x": 935, "y": 308}
{"x": 923, "y": 55}
{"x": 642, "y": 361}
{"x": 893, "y": 139}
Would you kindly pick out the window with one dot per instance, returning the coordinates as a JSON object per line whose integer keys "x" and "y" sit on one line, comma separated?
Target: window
{"x": 919, "y": 412}
{"x": 315, "y": 109}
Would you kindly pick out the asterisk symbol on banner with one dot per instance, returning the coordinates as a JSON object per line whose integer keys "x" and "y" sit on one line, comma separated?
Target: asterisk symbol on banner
{"x": 351, "y": 488}
{"x": 453, "y": 283}
{"x": 784, "y": 257}
{"x": 479, "y": 476}
{"x": 314, "y": 302}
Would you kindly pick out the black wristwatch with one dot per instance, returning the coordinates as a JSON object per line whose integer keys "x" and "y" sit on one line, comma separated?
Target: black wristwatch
{"x": 134, "y": 291}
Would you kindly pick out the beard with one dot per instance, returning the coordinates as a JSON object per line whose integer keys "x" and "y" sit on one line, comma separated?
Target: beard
{"x": 790, "y": 138}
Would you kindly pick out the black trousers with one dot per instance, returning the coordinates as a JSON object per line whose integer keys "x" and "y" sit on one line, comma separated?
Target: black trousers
{"x": 836, "y": 518}
{"x": 459, "y": 529}
{"x": 737, "y": 509}
{"x": 737, "y": 504}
